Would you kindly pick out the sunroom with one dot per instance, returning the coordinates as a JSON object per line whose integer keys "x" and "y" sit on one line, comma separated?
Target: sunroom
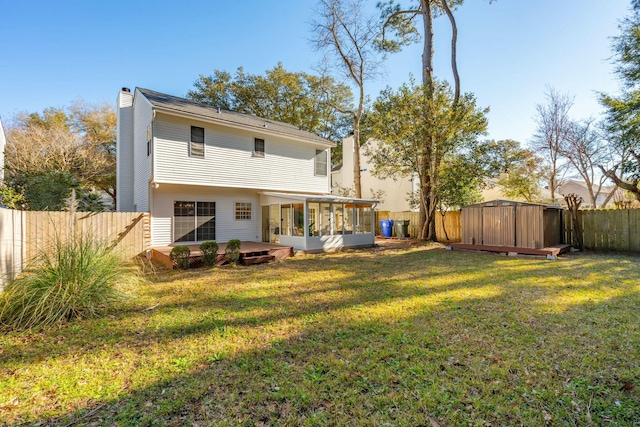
{"x": 317, "y": 222}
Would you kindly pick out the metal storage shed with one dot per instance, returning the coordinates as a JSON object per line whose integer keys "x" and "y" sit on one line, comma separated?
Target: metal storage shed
{"x": 512, "y": 226}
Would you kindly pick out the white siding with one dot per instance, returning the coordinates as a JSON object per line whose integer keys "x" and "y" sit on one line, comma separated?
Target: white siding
{"x": 288, "y": 165}
{"x": 227, "y": 227}
{"x": 396, "y": 191}
{"x": 124, "y": 153}
{"x": 143, "y": 115}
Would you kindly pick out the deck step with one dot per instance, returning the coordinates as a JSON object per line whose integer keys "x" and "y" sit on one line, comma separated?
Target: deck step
{"x": 257, "y": 259}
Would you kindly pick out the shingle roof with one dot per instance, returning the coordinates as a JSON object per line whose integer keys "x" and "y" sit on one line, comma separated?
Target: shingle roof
{"x": 221, "y": 116}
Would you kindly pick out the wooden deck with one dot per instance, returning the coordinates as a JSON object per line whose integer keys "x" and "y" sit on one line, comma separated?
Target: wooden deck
{"x": 250, "y": 253}
{"x": 552, "y": 250}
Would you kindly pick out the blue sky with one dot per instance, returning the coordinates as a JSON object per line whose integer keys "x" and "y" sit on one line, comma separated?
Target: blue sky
{"x": 53, "y": 52}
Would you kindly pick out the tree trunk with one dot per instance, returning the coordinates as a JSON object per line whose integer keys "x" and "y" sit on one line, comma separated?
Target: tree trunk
{"x": 631, "y": 187}
{"x": 573, "y": 203}
{"x": 427, "y": 51}
{"x": 444, "y": 226}
{"x": 426, "y": 185}
{"x": 454, "y": 54}
{"x": 356, "y": 162}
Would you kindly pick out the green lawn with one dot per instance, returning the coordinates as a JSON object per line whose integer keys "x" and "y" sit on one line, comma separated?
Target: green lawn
{"x": 411, "y": 337}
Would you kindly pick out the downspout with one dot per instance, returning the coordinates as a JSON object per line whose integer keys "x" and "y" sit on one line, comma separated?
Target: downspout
{"x": 152, "y": 182}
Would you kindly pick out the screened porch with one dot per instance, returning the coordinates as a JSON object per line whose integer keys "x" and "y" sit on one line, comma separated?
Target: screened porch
{"x": 317, "y": 223}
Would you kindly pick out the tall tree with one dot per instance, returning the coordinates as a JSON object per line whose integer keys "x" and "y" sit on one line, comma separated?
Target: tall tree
{"x": 347, "y": 35}
{"x": 96, "y": 124}
{"x": 312, "y": 103}
{"x": 623, "y": 111}
{"x": 503, "y": 156}
{"x": 397, "y": 120}
{"x": 400, "y": 28}
{"x": 47, "y": 154}
{"x": 517, "y": 170}
{"x": 585, "y": 150}
{"x": 554, "y": 127}
{"x": 521, "y": 180}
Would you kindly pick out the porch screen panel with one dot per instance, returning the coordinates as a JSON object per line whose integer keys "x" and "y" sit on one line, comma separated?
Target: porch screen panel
{"x": 206, "y": 221}
{"x": 349, "y": 219}
{"x": 314, "y": 219}
{"x": 325, "y": 219}
{"x": 184, "y": 215}
{"x": 285, "y": 220}
{"x": 298, "y": 219}
{"x": 338, "y": 216}
{"x": 367, "y": 220}
{"x": 360, "y": 219}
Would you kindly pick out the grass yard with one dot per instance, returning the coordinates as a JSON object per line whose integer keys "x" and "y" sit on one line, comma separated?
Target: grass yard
{"x": 402, "y": 337}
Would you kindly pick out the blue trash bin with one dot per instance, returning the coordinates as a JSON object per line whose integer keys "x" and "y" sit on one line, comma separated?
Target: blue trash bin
{"x": 386, "y": 225}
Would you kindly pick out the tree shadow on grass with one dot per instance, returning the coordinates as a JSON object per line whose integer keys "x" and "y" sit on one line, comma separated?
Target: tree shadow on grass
{"x": 349, "y": 350}
{"x": 444, "y": 363}
{"x": 363, "y": 281}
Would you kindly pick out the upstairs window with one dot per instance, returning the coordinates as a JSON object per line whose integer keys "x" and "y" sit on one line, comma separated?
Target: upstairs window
{"x": 258, "y": 147}
{"x": 321, "y": 163}
{"x": 196, "y": 145}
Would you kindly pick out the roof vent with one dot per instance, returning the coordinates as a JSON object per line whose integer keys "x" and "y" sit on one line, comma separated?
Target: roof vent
{"x": 219, "y": 110}
{"x": 126, "y": 89}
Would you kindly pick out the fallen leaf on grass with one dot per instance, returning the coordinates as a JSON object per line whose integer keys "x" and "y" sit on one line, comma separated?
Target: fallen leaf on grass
{"x": 627, "y": 386}
{"x": 326, "y": 403}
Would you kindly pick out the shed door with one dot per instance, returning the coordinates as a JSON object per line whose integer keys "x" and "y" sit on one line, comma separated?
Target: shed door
{"x": 529, "y": 230}
{"x": 472, "y": 225}
{"x": 498, "y": 226}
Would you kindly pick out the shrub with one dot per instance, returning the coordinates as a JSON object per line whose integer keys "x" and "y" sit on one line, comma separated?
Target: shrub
{"x": 179, "y": 256}
{"x": 209, "y": 251}
{"x": 73, "y": 279}
{"x": 232, "y": 251}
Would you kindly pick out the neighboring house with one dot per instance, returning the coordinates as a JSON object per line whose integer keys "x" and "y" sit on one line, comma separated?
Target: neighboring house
{"x": 204, "y": 173}
{"x": 396, "y": 192}
{"x": 3, "y": 142}
{"x": 580, "y": 188}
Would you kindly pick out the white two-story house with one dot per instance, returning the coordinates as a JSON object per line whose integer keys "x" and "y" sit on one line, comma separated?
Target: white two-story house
{"x": 204, "y": 173}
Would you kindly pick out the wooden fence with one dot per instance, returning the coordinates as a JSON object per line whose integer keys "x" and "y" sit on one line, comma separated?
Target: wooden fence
{"x": 606, "y": 230}
{"x": 25, "y": 234}
{"x": 451, "y": 224}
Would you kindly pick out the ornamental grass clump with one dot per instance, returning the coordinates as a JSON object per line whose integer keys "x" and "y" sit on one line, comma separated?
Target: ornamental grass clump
{"x": 78, "y": 278}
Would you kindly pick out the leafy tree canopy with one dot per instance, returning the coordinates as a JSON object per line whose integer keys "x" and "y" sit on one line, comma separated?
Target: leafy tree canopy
{"x": 521, "y": 181}
{"x": 623, "y": 111}
{"x": 421, "y": 130}
{"x": 49, "y": 153}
